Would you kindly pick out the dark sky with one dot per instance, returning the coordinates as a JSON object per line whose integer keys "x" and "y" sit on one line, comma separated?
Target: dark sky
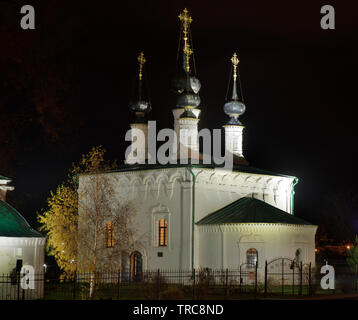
{"x": 65, "y": 86}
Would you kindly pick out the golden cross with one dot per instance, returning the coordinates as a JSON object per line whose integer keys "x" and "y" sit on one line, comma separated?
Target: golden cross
{"x": 141, "y": 61}
{"x": 235, "y": 61}
{"x": 186, "y": 19}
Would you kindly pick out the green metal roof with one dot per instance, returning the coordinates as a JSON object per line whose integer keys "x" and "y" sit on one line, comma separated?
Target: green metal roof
{"x": 251, "y": 210}
{"x": 4, "y": 178}
{"x": 13, "y": 224}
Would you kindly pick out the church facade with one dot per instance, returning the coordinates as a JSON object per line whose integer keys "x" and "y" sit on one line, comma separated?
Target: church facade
{"x": 190, "y": 216}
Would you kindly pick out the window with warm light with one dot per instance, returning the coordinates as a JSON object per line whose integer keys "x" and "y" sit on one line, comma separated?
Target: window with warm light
{"x": 109, "y": 234}
{"x": 251, "y": 257}
{"x": 162, "y": 233}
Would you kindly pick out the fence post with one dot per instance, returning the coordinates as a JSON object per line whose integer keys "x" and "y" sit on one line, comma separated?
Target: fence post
{"x": 23, "y": 290}
{"x": 282, "y": 276}
{"x": 309, "y": 281}
{"x": 119, "y": 284}
{"x": 240, "y": 280}
{"x": 194, "y": 283}
{"x": 158, "y": 283}
{"x": 293, "y": 277}
{"x": 265, "y": 278}
{"x": 356, "y": 285}
{"x": 226, "y": 281}
{"x": 256, "y": 266}
{"x": 74, "y": 285}
{"x": 18, "y": 285}
{"x": 300, "y": 293}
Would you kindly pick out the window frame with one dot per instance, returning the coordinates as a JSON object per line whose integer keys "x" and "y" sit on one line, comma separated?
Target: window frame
{"x": 158, "y": 212}
{"x": 252, "y": 253}
{"x": 162, "y": 228}
{"x": 109, "y": 234}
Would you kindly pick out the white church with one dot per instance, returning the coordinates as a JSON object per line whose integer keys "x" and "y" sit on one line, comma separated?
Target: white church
{"x": 191, "y": 216}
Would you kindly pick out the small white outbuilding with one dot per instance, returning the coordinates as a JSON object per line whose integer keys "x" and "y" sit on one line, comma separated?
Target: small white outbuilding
{"x": 20, "y": 246}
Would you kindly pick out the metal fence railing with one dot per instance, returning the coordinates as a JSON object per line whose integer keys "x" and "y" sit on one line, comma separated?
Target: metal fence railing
{"x": 280, "y": 276}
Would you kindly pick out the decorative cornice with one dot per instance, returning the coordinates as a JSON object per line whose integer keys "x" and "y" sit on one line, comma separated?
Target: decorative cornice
{"x": 22, "y": 241}
{"x": 151, "y": 181}
{"x": 254, "y": 227}
{"x": 242, "y": 179}
{"x": 241, "y": 183}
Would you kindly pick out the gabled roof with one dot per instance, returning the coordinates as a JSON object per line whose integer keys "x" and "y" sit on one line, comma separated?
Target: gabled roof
{"x": 251, "y": 210}
{"x": 13, "y": 224}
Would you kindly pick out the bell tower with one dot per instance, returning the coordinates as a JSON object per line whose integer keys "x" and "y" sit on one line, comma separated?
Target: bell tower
{"x": 186, "y": 114}
{"x": 234, "y": 108}
{"x": 140, "y": 106}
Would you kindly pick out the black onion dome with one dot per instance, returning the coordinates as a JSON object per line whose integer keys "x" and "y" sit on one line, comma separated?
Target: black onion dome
{"x": 140, "y": 106}
{"x": 188, "y": 99}
{"x": 234, "y": 108}
{"x": 179, "y": 84}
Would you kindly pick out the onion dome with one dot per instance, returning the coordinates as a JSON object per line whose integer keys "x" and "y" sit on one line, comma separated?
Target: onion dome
{"x": 188, "y": 99}
{"x": 234, "y": 108}
{"x": 178, "y": 83}
{"x": 140, "y": 105}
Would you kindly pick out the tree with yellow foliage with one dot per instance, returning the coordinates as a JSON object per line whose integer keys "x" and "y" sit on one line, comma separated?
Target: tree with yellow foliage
{"x": 60, "y": 220}
{"x": 91, "y": 234}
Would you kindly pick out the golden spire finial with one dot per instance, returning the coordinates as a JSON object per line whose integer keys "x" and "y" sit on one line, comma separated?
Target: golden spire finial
{"x": 235, "y": 61}
{"x": 186, "y": 20}
{"x": 141, "y": 61}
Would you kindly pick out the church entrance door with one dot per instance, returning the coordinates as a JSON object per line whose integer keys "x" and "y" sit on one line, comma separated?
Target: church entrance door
{"x": 136, "y": 266}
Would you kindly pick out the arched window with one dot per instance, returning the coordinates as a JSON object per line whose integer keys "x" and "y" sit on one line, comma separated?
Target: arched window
{"x": 136, "y": 265}
{"x": 162, "y": 233}
{"x": 251, "y": 257}
{"x": 109, "y": 234}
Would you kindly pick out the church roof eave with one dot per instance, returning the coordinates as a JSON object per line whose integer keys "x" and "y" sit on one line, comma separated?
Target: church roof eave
{"x": 5, "y": 179}
{"x": 236, "y": 168}
{"x": 13, "y": 224}
{"x": 253, "y": 211}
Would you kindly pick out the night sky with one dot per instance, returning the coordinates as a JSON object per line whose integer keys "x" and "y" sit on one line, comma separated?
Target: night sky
{"x": 65, "y": 87}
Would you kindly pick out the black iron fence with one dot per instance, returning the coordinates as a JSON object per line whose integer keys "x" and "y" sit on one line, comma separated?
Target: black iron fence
{"x": 281, "y": 276}
{"x": 17, "y": 286}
